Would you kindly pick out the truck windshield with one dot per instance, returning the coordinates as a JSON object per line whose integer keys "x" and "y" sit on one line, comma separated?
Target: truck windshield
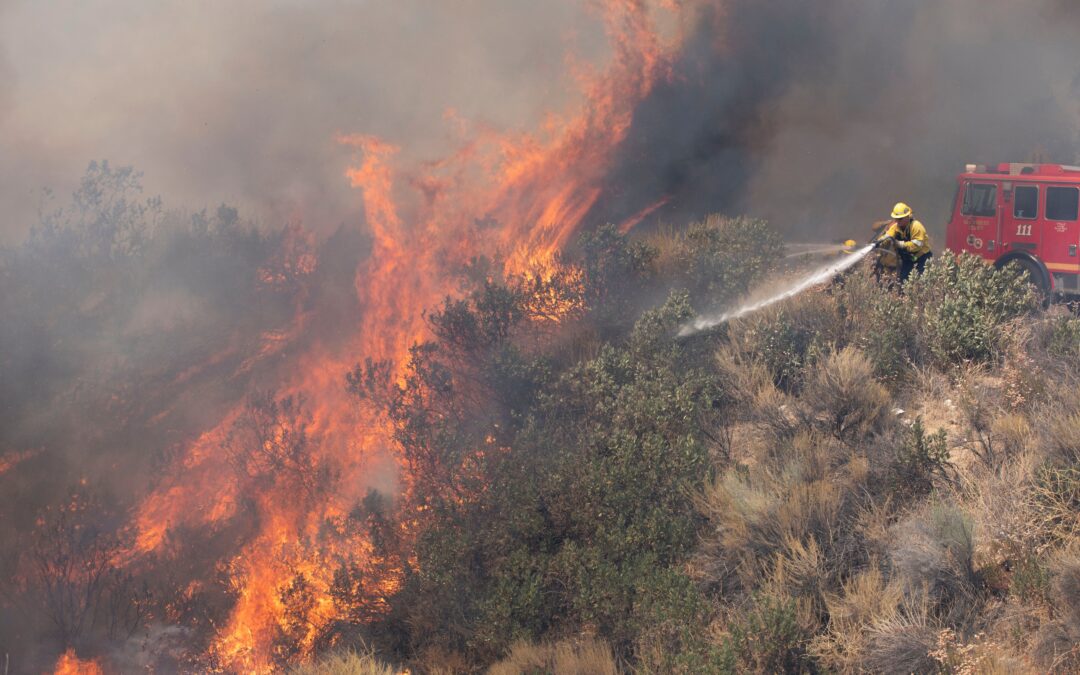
{"x": 980, "y": 199}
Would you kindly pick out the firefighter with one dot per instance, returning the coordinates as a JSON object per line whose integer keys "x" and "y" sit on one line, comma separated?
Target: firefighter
{"x": 910, "y": 239}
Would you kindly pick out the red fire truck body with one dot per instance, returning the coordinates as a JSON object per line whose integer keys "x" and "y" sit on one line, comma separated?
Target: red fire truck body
{"x": 1023, "y": 213}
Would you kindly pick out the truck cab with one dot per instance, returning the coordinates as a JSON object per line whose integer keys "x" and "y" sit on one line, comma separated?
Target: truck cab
{"x": 1023, "y": 213}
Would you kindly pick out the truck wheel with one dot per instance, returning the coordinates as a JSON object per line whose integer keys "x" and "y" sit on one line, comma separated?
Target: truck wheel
{"x": 1036, "y": 275}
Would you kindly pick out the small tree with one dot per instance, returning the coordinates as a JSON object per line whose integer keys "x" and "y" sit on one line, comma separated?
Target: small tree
{"x": 73, "y": 564}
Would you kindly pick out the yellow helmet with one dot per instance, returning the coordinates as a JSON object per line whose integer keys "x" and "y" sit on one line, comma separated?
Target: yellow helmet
{"x": 901, "y": 210}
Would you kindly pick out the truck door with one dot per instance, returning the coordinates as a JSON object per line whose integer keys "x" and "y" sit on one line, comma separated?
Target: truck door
{"x": 1061, "y": 231}
{"x": 979, "y": 219}
{"x": 1021, "y": 229}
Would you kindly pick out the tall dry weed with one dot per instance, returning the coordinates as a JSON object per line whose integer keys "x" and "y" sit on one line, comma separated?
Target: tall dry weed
{"x": 585, "y": 657}
{"x": 1058, "y": 641}
{"x": 843, "y": 398}
{"x": 934, "y": 551}
{"x": 347, "y": 663}
{"x": 900, "y": 641}
{"x": 866, "y": 600}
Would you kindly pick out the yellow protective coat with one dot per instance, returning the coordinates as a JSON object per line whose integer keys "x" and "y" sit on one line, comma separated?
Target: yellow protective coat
{"x": 914, "y": 240}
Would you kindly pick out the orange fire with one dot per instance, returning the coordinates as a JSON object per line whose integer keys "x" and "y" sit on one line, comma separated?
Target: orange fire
{"x": 515, "y": 197}
{"x": 70, "y": 664}
{"x": 11, "y": 461}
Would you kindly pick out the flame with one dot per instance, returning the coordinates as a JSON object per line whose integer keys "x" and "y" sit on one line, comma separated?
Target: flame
{"x": 70, "y": 664}
{"x": 518, "y": 197}
{"x": 12, "y": 460}
{"x": 641, "y": 215}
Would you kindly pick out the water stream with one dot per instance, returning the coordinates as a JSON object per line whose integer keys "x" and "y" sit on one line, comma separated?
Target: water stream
{"x": 809, "y": 280}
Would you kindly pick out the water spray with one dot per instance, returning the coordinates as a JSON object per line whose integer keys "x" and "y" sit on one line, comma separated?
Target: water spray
{"x": 809, "y": 280}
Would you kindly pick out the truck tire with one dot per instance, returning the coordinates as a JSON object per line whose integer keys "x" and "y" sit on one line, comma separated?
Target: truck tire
{"x": 1035, "y": 271}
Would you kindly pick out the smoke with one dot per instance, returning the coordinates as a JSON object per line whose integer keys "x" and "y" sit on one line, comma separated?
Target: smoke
{"x": 241, "y": 102}
{"x": 819, "y": 116}
{"x": 815, "y": 115}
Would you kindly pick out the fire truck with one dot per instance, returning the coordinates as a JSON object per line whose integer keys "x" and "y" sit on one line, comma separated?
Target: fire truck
{"x": 1021, "y": 213}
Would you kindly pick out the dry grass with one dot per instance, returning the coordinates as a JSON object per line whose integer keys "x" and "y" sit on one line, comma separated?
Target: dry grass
{"x": 980, "y": 655}
{"x": 585, "y": 657}
{"x": 774, "y": 410}
{"x": 668, "y": 241}
{"x": 979, "y": 573}
{"x": 1061, "y": 439}
{"x": 802, "y": 572}
{"x": 867, "y": 599}
{"x": 347, "y": 663}
{"x": 1065, "y": 568}
{"x": 1058, "y": 641}
{"x": 1054, "y": 501}
{"x": 843, "y": 398}
{"x": 934, "y": 553}
{"x": 1001, "y": 508}
{"x": 1013, "y": 432}
{"x": 901, "y": 640}
{"x": 780, "y": 518}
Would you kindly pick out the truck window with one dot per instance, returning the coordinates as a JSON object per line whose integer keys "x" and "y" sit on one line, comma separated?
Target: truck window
{"x": 1026, "y": 202}
{"x": 1061, "y": 203}
{"x": 980, "y": 199}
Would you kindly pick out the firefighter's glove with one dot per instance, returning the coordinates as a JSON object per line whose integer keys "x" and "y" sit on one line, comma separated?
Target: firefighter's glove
{"x": 884, "y": 242}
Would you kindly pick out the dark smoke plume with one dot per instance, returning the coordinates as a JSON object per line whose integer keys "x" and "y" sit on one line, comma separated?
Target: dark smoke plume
{"x": 820, "y": 115}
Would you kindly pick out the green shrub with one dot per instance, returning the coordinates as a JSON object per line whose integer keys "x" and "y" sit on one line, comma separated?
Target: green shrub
{"x": 1063, "y": 337}
{"x": 719, "y": 259}
{"x": 616, "y": 270}
{"x": 961, "y": 304}
{"x": 775, "y": 339}
{"x": 890, "y": 336}
{"x": 920, "y": 460}
{"x": 578, "y": 511}
{"x": 671, "y": 617}
{"x": 767, "y": 638}
{"x": 1030, "y": 580}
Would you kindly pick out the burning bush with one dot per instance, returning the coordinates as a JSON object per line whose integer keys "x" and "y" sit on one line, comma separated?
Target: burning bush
{"x": 564, "y": 483}
{"x": 72, "y": 572}
{"x": 271, "y": 453}
{"x": 575, "y": 515}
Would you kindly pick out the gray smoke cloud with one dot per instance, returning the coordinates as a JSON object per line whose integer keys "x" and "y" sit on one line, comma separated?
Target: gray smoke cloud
{"x": 819, "y": 116}
{"x": 240, "y": 101}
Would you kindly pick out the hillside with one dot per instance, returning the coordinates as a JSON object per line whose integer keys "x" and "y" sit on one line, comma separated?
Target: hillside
{"x": 854, "y": 480}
